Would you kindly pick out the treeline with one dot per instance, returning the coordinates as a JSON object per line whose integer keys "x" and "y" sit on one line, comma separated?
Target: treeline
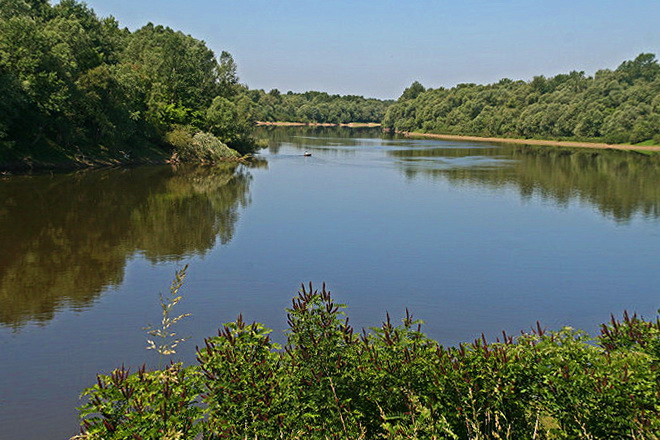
{"x": 393, "y": 382}
{"x": 617, "y": 106}
{"x": 316, "y": 107}
{"x": 76, "y": 85}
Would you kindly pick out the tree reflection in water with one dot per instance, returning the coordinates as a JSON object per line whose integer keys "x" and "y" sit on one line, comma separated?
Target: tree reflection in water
{"x": 619, "y": 184}
{"x": 66, "y": 238}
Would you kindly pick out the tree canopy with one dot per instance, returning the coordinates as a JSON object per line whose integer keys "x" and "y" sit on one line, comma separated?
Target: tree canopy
{"x": 619, "y": 106}
{"x": 74, "y": 84}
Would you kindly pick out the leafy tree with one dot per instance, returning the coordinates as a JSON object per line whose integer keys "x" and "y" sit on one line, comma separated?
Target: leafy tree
{"x": 36, "y": 9}
{"x": 645, "y": 66}
{"x": 222, "y": 119}
{"x": 413, "y": 91}
{"x": 227, "y": 75}
{"x": 180, "y": 73}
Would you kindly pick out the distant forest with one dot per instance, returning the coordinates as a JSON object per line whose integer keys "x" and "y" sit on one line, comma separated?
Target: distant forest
{"x": 617, "y": 106}
{"x": 316, "y": 107}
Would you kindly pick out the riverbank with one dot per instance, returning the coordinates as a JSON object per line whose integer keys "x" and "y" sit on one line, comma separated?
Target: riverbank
{"x": 64, "y": 161}
{"x": 60, "y": 159}
{"x": 29, "y": 165}
{"x": 319, "y": 124}
{"x": 82, "y": 164}
{"x": 550, "y": 143}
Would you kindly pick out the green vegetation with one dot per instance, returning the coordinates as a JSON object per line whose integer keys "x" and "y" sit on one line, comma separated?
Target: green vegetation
{"x": 315, "y": 107}
{"x": 648, "y": 143}
{"x": 78, "y": 88}
{"x": 620, "y": 106}
{"x": 392, "y": 382}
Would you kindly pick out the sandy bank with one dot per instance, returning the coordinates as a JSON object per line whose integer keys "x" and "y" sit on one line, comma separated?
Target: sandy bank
{"x": 534, "y": 142}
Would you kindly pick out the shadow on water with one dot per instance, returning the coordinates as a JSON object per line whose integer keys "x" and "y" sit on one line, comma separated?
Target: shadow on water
{"x": 67, "y": 238}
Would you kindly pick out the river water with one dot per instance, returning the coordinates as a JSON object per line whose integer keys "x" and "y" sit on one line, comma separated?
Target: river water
{"x": 471, "y": 237}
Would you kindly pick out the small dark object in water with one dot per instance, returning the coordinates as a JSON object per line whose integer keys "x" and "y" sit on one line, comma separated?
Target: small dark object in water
{"x": 307, "y": 153}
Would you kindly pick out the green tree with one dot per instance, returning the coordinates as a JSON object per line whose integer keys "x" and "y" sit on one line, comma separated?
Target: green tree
{"x": 412, "y": 92}
{"x": 222, "y": 119}
{"x": 645, "y": 66}
{"x": 180, "y": 72}
{"x": 227, "y": 77}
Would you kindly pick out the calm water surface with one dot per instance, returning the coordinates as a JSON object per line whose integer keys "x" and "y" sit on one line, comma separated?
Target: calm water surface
{"x": 471, "y": 237}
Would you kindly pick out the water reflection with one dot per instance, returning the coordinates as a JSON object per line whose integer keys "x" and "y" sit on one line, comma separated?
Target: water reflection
{"x": 66, "y": 238}
{"x": 619, "y": 184}
{"x": 315, "y": 137}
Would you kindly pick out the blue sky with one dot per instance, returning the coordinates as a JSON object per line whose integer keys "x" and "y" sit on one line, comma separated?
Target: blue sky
{"x": 377, "y": 48}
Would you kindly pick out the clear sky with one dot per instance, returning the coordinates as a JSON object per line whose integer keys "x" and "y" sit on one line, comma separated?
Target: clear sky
{"x": 377, "y": 48}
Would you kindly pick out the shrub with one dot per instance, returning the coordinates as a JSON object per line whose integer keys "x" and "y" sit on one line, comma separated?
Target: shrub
{"x": 180, "y": 137}
{"x": 211, "y": 148}
{"x": 391, "y": 382}
{"x": 146, "y": 405}
{"x": 191, "y": 146}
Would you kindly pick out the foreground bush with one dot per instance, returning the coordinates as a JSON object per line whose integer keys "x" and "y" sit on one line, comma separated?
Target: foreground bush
{"x": 392, "y": 383}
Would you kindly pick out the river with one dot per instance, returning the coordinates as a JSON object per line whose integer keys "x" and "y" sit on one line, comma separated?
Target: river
{"x": 471, "y": 237}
